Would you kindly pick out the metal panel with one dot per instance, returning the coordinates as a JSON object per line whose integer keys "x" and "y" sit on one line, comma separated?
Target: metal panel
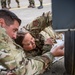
{"x": 63, "y": 14}
{"x": 70, "y": 52}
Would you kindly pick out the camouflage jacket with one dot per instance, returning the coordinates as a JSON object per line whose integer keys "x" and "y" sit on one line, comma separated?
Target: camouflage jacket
{"x": 41, "y": 29}
{"x": 39, "y": 50}
{"x": 13, "y": 58}
{"x": 41, "y": 25}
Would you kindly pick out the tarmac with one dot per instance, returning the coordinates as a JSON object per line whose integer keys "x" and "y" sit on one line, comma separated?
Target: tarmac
{"x": 56, "y": 68}
{"x": 29, "y": 14}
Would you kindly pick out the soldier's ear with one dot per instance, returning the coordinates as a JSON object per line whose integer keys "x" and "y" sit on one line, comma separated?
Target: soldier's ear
{"x": 2, "y": 22}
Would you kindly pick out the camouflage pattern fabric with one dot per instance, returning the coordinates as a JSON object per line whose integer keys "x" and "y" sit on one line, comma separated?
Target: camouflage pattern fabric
{"x": 42, "y": 25}
{"x": 13, "y": 58}
{"x": 17, "y": 1}
{"x": 3, "y": 72}
{"x": 39, "y": 50}
{"x": 31, "y": 2}
{"x": 41, "y": 0}
{"x": 3, "y": 3}
{"x": 48, "y": 32}
{"x": 9, "y": 1}
{"x": 41, "y": 29}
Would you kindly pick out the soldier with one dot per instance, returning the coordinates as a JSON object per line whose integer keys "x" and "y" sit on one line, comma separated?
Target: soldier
{"x": 32, "y": 46}
{"x": 31, "y": 4}
{"x": 3, "y": 3}
{"x": 12, "y": 56}
{"x": 40, "y": 31}
{"x": 42, "y": 25}
{"x": 41, "y": 4}
{"x": 9, "y": 1}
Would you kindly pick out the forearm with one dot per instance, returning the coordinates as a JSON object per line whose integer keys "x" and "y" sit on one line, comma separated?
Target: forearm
{"x": 43, "y": 62}
{"x": 21, "y": 66}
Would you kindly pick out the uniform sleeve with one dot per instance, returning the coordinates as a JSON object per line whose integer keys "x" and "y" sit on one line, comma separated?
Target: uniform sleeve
{"x": 3, "y": 72}
{"x": 46, "y": 48}
{"x": 48, "y": 32}
{"x": 14, "y": 59}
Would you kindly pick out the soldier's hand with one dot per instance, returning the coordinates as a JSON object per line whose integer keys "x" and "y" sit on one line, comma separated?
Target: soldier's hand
{"x": 58, "y": 51}
{"x": 49, "y": 41}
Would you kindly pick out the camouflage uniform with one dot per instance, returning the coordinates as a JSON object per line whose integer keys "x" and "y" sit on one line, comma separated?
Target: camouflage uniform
{"x": 42, "y": 27}
{"x": 3, "y": 71}
{"x": 18, "y": 3}
{"x": 9, "y": 1}
{"x": 40, "y": 30}
{"x": 14, "y": 59}
{"x": 31, "y": 3}
{"x": 3, "y": 3}
{"x": 41, "y": 4}
{"x": 41, "y": 1}
{"x": 39, "y": 50}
